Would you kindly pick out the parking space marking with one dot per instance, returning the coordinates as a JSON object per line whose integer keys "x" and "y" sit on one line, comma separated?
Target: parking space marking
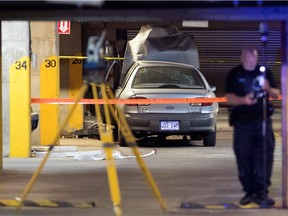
{"x": 46, "y": 203}
{"x": 193, "y": 205}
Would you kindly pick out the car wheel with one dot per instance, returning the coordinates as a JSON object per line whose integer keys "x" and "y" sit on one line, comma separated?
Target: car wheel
{"x": 210, "y": 139}
{"x": 121, "y": 140}
{"x": 115, "y": 133}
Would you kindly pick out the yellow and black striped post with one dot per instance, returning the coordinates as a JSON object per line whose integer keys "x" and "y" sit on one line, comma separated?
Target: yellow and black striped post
{"x": 46, "y": 203}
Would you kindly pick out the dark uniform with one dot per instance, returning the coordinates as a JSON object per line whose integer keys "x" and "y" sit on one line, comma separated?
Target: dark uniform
{"x": 248, "y": 135}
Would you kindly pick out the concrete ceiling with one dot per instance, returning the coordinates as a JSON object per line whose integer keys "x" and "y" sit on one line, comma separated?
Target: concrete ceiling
{"x": 100, "y": 10}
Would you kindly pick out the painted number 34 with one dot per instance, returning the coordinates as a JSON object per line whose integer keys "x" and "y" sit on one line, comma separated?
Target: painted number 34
{"x": 20, "y": 65}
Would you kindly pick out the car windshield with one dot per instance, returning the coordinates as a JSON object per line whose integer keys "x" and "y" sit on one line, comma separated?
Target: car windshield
{"x": 167, "y": 77}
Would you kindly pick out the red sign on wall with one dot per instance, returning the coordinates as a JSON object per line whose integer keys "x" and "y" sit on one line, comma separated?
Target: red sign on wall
{"x": 63, "y": 27}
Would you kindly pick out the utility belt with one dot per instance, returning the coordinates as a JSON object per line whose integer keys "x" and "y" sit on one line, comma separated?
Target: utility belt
{"x": 243, "y": 118}
{"x": 248, "y": 118}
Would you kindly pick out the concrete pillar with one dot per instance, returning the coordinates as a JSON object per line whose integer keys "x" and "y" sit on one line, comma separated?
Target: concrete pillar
{"x": 36, "y": 61}
{"x": 15, "y": 53}
{"x": 45, "y": 41}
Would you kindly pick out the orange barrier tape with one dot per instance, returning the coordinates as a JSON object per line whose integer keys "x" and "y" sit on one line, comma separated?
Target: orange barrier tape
{"x": 131, "y": 101}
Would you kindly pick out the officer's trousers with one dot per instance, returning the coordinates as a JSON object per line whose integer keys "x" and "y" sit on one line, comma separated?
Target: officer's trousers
{"x": 252, "y": 163}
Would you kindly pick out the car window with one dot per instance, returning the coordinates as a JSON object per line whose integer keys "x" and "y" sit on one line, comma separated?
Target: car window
{"x": 167, "y": 77}
{"x": 124, "y": 78}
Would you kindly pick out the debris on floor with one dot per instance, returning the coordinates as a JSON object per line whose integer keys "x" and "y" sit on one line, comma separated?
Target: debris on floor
{"x": 68, "y": 151}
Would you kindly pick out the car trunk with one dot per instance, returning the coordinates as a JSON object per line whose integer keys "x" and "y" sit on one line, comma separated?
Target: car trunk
{"x": 171, "y": 107}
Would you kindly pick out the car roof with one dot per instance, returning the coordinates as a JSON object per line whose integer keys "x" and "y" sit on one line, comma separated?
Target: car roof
{"x": 149, "y": 63}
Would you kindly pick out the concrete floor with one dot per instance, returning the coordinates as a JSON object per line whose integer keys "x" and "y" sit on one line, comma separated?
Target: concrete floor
{"x": 184, "y": 172}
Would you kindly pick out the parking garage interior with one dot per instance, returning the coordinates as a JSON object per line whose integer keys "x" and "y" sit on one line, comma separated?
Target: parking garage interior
{"x": 220, "y": 32}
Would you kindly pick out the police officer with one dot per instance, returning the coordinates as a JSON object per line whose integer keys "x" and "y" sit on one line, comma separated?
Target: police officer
{"x": 244, "y": 91}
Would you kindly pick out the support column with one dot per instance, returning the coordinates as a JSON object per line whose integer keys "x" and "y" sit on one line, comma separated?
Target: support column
{"x": 16, "y": 88}
{"x": 46, "y": 50}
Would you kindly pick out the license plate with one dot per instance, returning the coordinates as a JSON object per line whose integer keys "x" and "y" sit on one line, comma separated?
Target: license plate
{"x": 169, "y": 125}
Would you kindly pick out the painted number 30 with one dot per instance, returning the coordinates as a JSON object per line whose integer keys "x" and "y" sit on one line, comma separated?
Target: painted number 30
{"x": 20, "y": 65}
{"x": 50, "y": 63}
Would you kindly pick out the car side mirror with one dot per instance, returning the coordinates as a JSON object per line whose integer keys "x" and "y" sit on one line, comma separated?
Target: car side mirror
{"x": 213, "y": 88}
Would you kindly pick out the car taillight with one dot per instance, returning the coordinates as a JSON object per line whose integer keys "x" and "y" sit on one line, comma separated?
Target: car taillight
{"x": 202, "y": 104}
{"x": 207, "y": 104}
{"x": 196, "y": 104}
{"x": 136, "y": 104}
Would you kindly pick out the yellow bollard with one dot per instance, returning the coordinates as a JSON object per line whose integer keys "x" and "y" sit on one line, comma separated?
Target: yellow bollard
{"x": 20, "y": 110}
{"x": 75, "y": 82}
{"x": 49, "y": 88}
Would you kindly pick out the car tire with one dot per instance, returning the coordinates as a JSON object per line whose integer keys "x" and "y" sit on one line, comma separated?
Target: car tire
{"x": 209, "y": 139}
{"x": 121, "y": 140}
{"x": 115, "y": 133}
